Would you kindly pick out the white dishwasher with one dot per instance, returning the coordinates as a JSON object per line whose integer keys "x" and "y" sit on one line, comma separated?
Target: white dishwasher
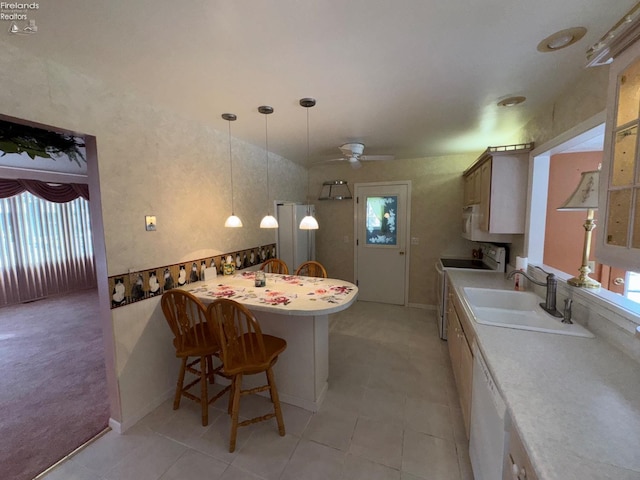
{"x": 489, "y": 437}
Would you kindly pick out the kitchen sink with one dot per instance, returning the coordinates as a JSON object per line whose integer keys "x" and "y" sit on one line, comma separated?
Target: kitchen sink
{"x": 519, "y": 310}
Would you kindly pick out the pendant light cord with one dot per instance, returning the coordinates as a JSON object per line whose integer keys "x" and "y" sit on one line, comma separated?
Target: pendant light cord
{"x": 266, "y": 143}
{"x": 308, "y": 177}
{"x": 231, "y": 168}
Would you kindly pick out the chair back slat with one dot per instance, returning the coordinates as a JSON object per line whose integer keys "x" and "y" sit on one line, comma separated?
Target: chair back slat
{"x": 187, "y": 319}
{"x": 239, "y": 334}
{"x": 311, "y": 269}
{"x": 275, "y": 265}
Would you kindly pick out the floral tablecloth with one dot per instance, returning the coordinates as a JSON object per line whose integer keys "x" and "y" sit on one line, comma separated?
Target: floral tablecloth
{"x": 287, "y": 294}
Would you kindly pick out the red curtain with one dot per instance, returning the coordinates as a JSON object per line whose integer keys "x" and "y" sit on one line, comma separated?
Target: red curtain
{"x": 53, "y": 192}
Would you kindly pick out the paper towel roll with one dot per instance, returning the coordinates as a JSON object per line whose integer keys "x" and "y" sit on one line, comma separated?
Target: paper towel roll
{"x": 519, "y": 280}
{"x": 522, "y": 263}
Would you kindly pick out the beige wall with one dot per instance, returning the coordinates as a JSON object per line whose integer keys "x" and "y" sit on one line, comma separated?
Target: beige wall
{"x": 436, "y": 206}
{"x": 150, "y": 161}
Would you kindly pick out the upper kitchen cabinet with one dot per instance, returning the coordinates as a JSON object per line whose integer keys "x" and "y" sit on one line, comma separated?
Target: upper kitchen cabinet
{"x": 497, "y": 183}
{"x": 618, "y": 237}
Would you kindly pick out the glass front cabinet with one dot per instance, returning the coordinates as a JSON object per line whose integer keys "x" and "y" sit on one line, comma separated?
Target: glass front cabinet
{"x": 618, "y": 235}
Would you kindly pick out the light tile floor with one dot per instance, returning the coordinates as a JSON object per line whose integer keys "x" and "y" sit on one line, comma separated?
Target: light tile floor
{"x": 391, "y": 412}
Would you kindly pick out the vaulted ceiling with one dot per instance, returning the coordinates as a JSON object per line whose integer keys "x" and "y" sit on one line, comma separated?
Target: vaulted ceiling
{"x": 412, "y": 78}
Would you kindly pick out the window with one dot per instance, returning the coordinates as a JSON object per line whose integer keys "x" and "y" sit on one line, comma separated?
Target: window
{"x": 381, "y": 220}
{"x": 632, "y": 292}
{"x": 45, "y": 247}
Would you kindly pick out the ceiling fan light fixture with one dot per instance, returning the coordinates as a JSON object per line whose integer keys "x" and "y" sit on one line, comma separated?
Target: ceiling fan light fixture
{"x": 561, "y": 39}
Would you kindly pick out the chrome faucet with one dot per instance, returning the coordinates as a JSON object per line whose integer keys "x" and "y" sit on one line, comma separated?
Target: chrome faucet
{"x": 549, "y": 304}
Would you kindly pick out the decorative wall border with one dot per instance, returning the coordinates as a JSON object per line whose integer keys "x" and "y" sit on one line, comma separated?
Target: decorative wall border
{"x": 133, "y": 287}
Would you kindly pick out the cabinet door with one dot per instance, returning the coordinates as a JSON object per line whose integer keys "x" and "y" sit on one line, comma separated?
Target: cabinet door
{"x": 453, "y": 341}
{"x": 466, "y": 381}
{"x": 619, "y": 234}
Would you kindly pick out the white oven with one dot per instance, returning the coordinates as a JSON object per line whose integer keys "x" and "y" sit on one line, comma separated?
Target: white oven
{"x": 490, "y": 257}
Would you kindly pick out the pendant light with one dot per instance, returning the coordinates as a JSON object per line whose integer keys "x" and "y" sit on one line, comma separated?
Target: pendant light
{"x": 232, "y": 221}
{"x": 269, "y": 221}
{"x": 308, "y": 222}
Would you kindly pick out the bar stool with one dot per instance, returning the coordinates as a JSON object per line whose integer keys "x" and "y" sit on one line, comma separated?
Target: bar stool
{"x": 194, "y": 338}
{"x": 245, "y": 351}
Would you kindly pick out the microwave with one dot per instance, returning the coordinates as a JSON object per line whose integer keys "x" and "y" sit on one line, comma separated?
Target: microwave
{"x": 471, "y": 218}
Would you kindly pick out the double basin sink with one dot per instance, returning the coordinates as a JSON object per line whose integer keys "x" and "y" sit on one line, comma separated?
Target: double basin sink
{"x": 519, "y": 310}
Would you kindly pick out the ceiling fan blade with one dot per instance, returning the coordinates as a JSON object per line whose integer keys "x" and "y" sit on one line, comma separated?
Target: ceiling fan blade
{"x": 368, "y": 158}
{"x": 331, "y": 160}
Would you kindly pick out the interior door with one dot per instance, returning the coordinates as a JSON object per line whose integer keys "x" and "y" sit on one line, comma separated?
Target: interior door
{"x": 382, "y": 226}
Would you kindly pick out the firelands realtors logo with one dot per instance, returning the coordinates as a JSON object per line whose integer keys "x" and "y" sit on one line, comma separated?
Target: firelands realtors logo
{"x": 19, "y": 16}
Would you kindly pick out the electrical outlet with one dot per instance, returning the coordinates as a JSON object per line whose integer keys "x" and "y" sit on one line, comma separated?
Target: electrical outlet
{"x": 415, "y": 241}
{"x": 592, "y": 265}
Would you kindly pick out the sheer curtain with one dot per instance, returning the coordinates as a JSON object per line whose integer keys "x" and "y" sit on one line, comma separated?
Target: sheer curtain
{"x": 45, "y": 247}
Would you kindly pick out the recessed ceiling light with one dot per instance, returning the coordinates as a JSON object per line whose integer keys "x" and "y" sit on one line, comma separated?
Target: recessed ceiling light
{"x": 511, "y": 101}
{"x": 561, "y": 39}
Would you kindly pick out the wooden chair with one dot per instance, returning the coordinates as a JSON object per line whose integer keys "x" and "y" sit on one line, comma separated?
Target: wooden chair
{"x": 275, "y": 265}
{"x": 193, "y": 337}
{"x": 311, "y": 269}
{"x": 245, "y": 351}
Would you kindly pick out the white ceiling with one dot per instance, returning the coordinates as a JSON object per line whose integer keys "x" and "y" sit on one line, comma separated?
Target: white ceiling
{"x": 412, "y": 78}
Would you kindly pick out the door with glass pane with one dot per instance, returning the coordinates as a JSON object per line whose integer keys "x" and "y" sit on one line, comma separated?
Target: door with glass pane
{"x": 382, "y": 226}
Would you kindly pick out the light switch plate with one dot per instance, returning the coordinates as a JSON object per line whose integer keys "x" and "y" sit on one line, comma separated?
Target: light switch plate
{"x": 150, "y": 223}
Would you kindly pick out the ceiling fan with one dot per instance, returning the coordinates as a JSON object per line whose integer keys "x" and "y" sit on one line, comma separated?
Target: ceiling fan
{"x": 353, "y": 153}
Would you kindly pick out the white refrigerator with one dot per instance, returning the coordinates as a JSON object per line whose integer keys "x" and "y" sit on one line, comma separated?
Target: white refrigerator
{"x": 294, "y": 246}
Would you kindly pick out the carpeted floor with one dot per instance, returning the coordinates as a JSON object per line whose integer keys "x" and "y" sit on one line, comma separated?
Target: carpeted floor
{"x": 53, "y": 394}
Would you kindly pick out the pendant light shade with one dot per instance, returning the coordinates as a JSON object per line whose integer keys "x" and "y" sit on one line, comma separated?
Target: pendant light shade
{"x": 232, "y": 221}
{"x": 308, "y": 222}
{"x": 269, "y": 221}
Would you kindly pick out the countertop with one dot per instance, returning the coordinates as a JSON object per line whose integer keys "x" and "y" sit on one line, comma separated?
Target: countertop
{"x": 574, "y": 401}
{"x": 282, "y": 294}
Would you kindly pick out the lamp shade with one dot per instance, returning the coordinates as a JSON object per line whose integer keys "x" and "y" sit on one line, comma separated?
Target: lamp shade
{"x": 309, "y": 223}
{"x": 585, "y": 196}
{"x": 335, "y": 190}
{"x": 233, "y": 222}
{"x": 269, "y": 221}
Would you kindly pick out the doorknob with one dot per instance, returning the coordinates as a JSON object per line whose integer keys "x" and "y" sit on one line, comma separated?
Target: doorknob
{"x": 618, "y": 281}
{"x": 401, "y": 253}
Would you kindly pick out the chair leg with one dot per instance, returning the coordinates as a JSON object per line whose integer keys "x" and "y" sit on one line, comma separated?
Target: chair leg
{"x": 176, "y": 399}
{"x": 204, "y": 396}
{"x": 273, "y": 391}
{"x": 210, "y": 368}
{"x": 231, "y": 392}
{"x": 237, "y": 385}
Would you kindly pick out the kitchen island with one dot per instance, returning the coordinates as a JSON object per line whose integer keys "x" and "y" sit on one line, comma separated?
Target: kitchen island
{"x": 297, "y": 309}
{"x": 575, "y": 402}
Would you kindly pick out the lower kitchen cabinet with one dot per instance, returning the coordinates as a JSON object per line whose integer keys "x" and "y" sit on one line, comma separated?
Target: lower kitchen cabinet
{"x": 518, "y": 465}
{"x": 459, "y": 342}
